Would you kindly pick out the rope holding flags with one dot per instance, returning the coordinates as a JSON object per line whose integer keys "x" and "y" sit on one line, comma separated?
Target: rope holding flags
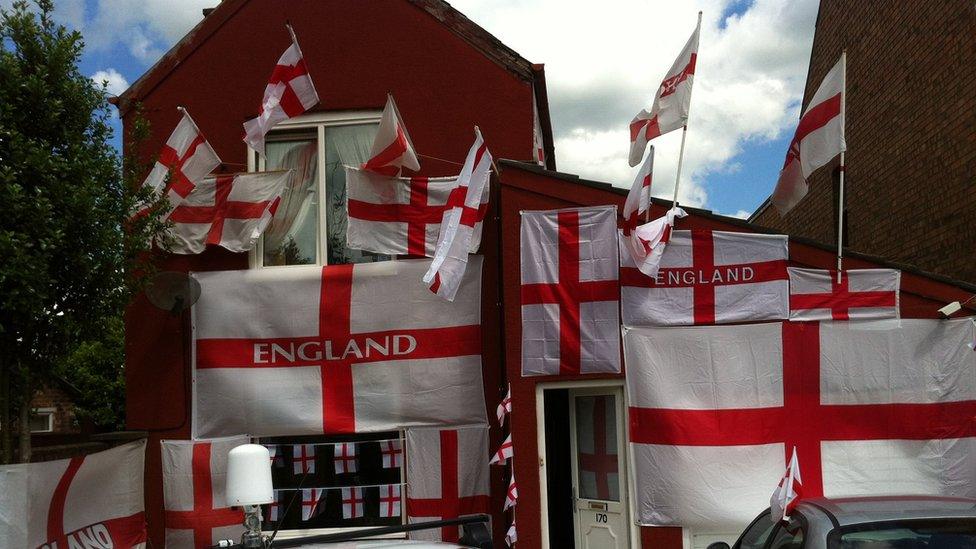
{"x": 505, "y": 455}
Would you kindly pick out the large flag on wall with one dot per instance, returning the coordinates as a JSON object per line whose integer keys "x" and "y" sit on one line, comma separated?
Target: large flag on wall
{"x": 400, "y": 215}
{"x": 671, "y": 103}
{"x": 448, "y": 473}
{"x": 194, "y": 478}
{"x": 872, "y": 408}
{"x": 185, "y": 159}
{"x": 570, "y": 291}
{"x": 231, "y": 211}
{"x": 818, "y": 139}
{"x": 861, "y": 294}
{"x": 66, "y": 502}
{"x": 709, "y": 277}
{"x": 337, "y": 349}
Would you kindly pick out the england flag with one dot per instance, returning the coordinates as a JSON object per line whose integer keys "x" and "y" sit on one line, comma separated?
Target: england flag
{"x": 392, "y": 148}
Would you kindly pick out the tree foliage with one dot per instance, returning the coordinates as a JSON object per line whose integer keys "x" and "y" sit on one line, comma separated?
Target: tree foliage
{"x": 69, "y": 251}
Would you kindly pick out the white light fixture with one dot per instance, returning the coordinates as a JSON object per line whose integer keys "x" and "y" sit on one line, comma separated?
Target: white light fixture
{"x": 953, "y": 308}
{"x": 249, "y": 486}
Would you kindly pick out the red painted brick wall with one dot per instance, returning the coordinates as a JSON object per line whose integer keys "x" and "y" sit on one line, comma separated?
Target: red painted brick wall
{"x": 911, "y": 133}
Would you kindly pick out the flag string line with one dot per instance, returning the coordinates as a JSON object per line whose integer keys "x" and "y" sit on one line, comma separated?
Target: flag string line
{"x": 279, "y": 444}
{"x": 342, "y": 487}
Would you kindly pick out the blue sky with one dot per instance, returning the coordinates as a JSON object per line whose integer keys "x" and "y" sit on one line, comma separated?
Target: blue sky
{"x": 751, "y": 73}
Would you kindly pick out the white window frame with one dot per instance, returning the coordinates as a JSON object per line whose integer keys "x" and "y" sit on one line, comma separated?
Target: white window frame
{"x": 317, "y": 121}
{"x": 49, "y": 413}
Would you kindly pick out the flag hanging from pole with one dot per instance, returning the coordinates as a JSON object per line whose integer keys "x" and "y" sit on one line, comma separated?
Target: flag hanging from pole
{"x": 789, "y": 489}
{"x": 639, "y": 198}
{"x": 392, "y": 148}
{"x": 671, "y": 103}
{"x": 538, "y": 144}
{"x": 818, "y": 139}
{"x": 289, "y": 93}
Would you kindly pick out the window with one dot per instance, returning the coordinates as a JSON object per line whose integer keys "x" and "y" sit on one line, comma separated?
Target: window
{"x": 350, "y": 481}
{"x": 309, "y": 227}
{"x": 788, "y": 536}
{"x": 758, "y": 532}
{"x": 42, "y": 420}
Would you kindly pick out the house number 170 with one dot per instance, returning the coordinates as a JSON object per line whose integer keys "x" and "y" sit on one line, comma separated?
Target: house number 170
{"x": 601, "y": 517}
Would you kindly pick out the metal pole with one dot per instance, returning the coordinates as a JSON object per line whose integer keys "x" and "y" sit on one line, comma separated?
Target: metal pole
{"x": 840, "y": 206}
{"x": 677, "y": 177}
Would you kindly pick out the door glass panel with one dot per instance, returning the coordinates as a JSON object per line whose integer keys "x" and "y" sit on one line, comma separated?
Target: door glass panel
{"x": 344, "y": 145}
{"x": 596, "y": 444}
{"x": 290, "y": 238}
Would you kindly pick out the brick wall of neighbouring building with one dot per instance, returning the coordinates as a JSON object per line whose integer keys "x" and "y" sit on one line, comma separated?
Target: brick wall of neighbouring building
{"x": 911, "y": 133}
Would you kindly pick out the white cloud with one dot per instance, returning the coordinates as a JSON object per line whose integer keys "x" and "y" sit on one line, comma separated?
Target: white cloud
{"x": 116, "y": 83}
{"x": 604, "y": 61}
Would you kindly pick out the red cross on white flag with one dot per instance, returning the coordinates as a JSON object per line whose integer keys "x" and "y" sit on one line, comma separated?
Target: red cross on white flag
{"x": 570, "y": 291}
{"x": 787, "y": 492}
{"x": 818, "y": 139}
{"x": 392, "y": 452}
{"x": 462, "y": 213}
{"x": 860, "y": 294}
{"x": 448, "y": 477}
{"x": 505, "y": 452}
{"x": 390, "y": 500}
{"x": 872, "y": 408}
{"x": 97, "y": 498}
{"x": 400, "y": 215}
{"x": 504, "y": 407}
{"x": 231, "y": 211}
{"x": 185, "y": 159}
{"x": 511, "y": 536}
{"x": 344, "y": 456}
{"x": 334, "y": 350}
{"x": 392, "y": 149}
{"x": 710, "y": 277}
{"x": 597, "y": 450}
{"x": 303, "y": 458}
{"x": 511, "y": 495}
{"x": 196, "y": 510}
{"x": 289, "y": 93}
{"x": 310, "y": 502}
{"x": 645, "y": 246}
{"x": 274, "y": 509}
{"x": 352, "y": 502}
{"x": 639, "y": 196}
{"x": 671, "y": 103}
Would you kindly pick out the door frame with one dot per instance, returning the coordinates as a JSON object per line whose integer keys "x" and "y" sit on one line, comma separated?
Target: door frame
{"x": 540, "y": 422}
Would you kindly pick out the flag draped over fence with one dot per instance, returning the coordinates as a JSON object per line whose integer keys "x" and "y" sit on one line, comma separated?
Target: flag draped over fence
{"x": 871, "y": 407}
{"x": 373, "y": 351}
{"x": 194, "y": 477}
{"x": 231, "y": 211}
{"x": 401, "y": 215}
{"x": 710, "y": 277}
{"x": 448, "y": 477}
{"x": 64, "y": 503}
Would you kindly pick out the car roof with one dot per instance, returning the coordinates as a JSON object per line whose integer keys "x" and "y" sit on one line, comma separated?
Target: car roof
{"x": 848, "y": 511}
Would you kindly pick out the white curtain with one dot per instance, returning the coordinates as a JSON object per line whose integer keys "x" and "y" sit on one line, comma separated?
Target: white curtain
{"x": 298, "y": 198}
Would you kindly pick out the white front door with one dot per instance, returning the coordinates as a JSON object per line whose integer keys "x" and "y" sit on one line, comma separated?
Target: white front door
{"x": 599, "y": 468}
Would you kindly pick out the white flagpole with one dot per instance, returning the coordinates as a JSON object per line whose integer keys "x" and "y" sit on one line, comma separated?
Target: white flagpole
{"x": 684, "y": 132}
{"x": 840, "y": 206}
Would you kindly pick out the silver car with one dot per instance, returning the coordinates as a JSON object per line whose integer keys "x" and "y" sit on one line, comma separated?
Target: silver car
{"x": 896, "y": 522}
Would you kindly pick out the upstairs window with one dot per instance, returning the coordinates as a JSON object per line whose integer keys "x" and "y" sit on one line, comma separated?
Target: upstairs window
{"x": 309, "y": 227}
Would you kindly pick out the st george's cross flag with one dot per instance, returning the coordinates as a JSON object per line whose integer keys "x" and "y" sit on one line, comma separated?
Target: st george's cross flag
{"x": 303, "y": 458}
{"x": 511, "y": 495}
{"x": 511, "y": 536}
{"x": 194, "y": 476}
{"x": 77, "y": 502}
{"x": 344, "y": 457}
{"x": 710, "y": 277}
{"x": 504, "y": 407}
{"x": 462, "y": 213}
{"x": 818, "y": 139}
{"x": 861, "y": 294}
{"x": 645, "y": 246}
{"x": 570, "y": 291}
{"x": 310, "y": 502}
{"x": 504, "y": 452}
{"x": 538, "y": 143}
{"x": 872, "y": 408}
{"x": 401, "y": 215}
{"x": 639, "y": 197}
{"x": 336, "y": 349}
{"x": 184, "y": 161}
{"x": 598, "y": 462}
{"x": 352, "y": 502}
{"x": 230, "y": 211}
{"x": 448, "y": 473}
{"x": 392, "y": 149}
{"x": 390, "y": 500}
{"x": 671, "y": 103}
{"x": 289, "y": 93}
{"x": 787, "y": 492}
{"x": 392, "y": 451}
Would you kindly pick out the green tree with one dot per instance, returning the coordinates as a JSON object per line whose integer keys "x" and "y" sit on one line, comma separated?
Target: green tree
{"x": 70, "y": 258}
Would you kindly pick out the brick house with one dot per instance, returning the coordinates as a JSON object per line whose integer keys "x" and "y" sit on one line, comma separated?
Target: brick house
{"x": 911, "y": 135}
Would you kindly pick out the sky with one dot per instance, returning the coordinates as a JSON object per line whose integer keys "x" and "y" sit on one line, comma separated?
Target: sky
{"x": 604, "y": 61}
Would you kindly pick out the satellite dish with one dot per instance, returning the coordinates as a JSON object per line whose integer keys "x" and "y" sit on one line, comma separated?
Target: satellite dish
{"x": 173, "y": 291}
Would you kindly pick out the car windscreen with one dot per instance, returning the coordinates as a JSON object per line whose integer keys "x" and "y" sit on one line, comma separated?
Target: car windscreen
{"x": 947, "y": 533}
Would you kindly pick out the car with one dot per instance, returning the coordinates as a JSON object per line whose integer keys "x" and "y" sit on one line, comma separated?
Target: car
{"x": 889, "y": 522}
